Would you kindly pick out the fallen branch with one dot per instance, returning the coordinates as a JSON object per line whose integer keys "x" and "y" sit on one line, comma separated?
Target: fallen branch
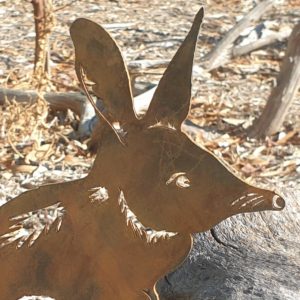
{"x": 74, "y": 101}
{"x": 147, "y": 64}
{"x": 223, "y": 51}
{"x": 260, "y": 43}
{"x": 60, "y": 101}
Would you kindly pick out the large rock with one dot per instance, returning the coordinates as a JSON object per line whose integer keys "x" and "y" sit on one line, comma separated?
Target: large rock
{"x": 260, "y": 261}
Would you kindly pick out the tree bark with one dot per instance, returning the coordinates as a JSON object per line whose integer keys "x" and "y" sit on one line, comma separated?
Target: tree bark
{"x": 281, "y": 98}
{"x": 44, "y": 22}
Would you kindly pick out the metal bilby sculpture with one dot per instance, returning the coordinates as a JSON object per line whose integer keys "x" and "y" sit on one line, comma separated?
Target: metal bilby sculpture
{"x": 114, "y": 233}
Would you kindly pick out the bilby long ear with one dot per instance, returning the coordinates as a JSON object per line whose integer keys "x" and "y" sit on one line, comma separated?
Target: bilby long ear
{"x": 171, "y": 101}
{"x": 99, "y": 56}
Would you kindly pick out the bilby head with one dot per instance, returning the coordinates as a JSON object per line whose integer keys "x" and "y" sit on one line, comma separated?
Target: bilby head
{"x": 169, "y": 182}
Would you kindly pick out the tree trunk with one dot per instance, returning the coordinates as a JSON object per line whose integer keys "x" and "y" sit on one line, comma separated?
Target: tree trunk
{"x": 281, "y": 98}
{"x": 44, "y": 22}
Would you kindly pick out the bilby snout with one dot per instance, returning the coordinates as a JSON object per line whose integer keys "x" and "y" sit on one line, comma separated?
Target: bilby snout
{"x": 257, "y": 199}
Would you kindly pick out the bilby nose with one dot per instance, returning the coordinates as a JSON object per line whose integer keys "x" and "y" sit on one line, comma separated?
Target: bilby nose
{"x": 278, "y": 203}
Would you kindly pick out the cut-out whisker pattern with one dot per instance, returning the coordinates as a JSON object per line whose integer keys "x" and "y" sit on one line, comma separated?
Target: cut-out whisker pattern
{"x": 30, "y": 225}
{"x": 242, "y": 198}
{"x": 237, "y": 200}
{"x": 251, "y": 200}
{"x": 257, "y": 203}
{"x": 149, "y": 234}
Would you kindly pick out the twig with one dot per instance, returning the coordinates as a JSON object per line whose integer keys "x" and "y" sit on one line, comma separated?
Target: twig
{"x": 64, "y": 6}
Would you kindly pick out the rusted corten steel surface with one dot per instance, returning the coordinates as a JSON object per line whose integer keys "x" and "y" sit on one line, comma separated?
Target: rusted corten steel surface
{"x": 117, "y": 231}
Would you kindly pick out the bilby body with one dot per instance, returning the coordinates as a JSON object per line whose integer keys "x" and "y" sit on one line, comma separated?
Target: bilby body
{"x": 160, "y": 187}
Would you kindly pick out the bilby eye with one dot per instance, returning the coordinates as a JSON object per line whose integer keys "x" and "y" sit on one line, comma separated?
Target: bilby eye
{"x": 180, "y": 180}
